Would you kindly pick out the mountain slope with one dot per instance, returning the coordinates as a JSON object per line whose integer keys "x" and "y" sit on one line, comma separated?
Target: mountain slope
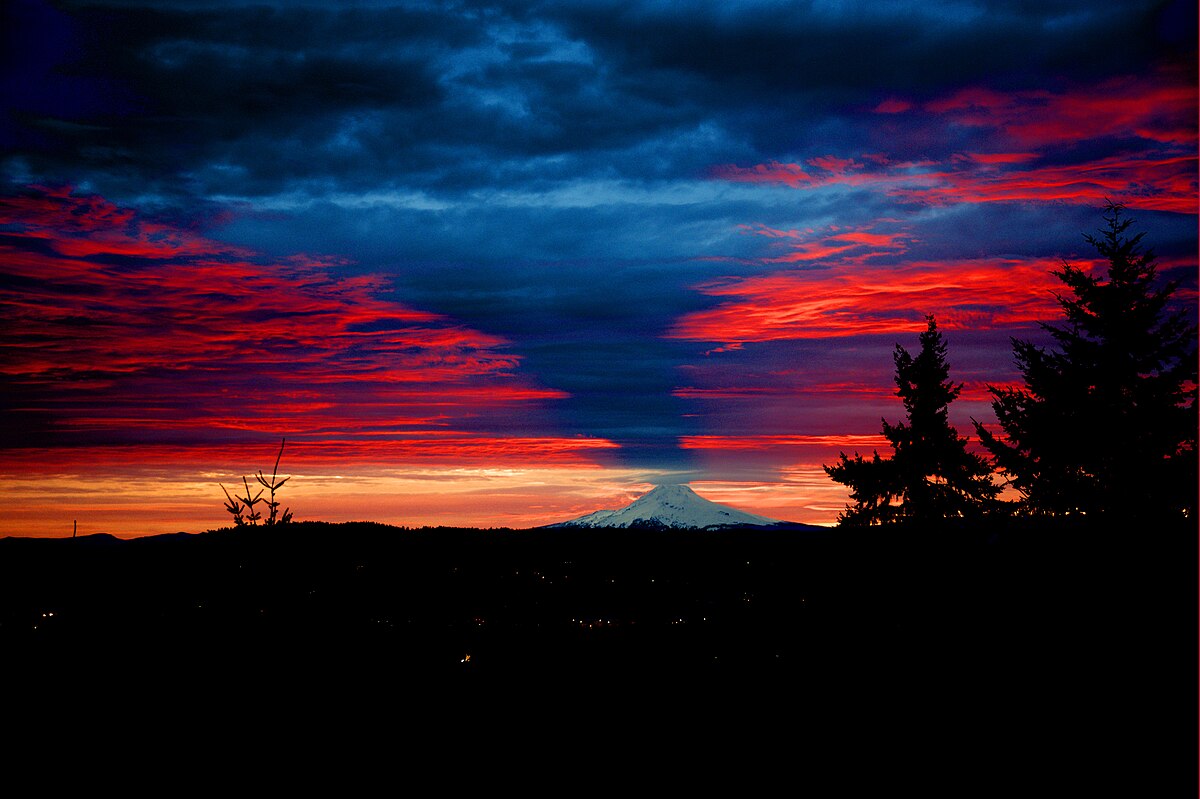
{"x": 676, "y": 506}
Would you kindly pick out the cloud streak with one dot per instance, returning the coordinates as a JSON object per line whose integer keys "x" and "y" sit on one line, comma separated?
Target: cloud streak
{"x": 131, "y": 329}
{"x": 887, "y": 299}
{"x": 1131, "y": 137}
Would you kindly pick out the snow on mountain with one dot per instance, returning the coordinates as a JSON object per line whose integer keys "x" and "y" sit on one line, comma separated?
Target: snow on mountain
{"x": 670, "y": 506}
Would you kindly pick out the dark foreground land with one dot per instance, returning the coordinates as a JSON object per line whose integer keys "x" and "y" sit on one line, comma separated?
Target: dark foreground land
{"x": 1083, "y": 635}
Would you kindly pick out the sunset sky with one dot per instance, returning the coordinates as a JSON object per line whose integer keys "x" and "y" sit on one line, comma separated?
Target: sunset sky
{"x": 505, "y": 263}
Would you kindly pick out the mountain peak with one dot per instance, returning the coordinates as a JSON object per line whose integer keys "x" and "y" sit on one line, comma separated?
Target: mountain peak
{"x": 670, "y": 505}
{"x": 671, "y": 488}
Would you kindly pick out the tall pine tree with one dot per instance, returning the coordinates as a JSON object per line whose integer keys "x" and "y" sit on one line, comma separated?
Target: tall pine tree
{"x": 932, "y": 476}
{"x": 1105, "y": 424}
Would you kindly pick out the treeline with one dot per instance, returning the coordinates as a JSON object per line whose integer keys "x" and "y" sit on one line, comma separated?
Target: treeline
{"x": 1103, "y": 428}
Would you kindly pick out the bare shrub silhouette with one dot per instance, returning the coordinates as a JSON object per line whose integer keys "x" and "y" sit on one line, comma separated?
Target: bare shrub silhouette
{"x": 242, "y": 507}
{"x": 234, "y": 507}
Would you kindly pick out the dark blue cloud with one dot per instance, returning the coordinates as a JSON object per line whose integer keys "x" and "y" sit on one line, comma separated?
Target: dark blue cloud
{"x": 545, "y": 171}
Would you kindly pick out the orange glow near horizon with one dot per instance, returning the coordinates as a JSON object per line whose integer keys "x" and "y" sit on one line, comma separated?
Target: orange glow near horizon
{"x": 804, "y": 494}
{"x": 450, "y": 480}
{"x": 155, "y": 499}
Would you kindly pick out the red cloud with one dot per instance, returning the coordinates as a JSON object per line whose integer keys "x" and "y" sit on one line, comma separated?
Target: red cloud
{"x": 874, "y": 300}
{"x": 1000, "y": 158}
{"x": 396, "y": 450}
{"x": 1159, "y": 184}
{"x": 1146, "y": 107}
{"x": 1156, "y": 171}
{"x": 728, "y": 443}
{"x": 880, "y": 240}
{"x": 128, "y": 329}
{"x": 788, "y": 174}
{"x": 850, "y": 246}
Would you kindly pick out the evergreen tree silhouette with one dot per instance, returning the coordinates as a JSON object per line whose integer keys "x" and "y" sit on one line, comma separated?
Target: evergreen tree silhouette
{"x": 932, "y": 476}
{"x": 1105, "y": 423}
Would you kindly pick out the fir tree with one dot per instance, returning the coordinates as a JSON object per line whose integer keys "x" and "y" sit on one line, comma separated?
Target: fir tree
{"x": 932, "y": 476}
{"x": 1105, "y": 423}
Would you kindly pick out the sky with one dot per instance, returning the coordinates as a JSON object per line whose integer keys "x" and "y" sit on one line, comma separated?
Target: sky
{"x": 500, "y": 264}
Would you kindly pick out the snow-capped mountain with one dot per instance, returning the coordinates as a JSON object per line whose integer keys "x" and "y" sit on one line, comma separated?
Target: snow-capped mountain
{"x": 675, "y": 506}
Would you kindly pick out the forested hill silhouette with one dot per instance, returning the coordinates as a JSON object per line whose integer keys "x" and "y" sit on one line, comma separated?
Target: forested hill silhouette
{"x": 753, "y": 597}
{"x": 1049, "y": 634}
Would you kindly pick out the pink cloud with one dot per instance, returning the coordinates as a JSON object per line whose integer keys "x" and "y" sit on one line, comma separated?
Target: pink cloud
{"x": 893, "y": 105}
{"x": 835, "y": 165}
